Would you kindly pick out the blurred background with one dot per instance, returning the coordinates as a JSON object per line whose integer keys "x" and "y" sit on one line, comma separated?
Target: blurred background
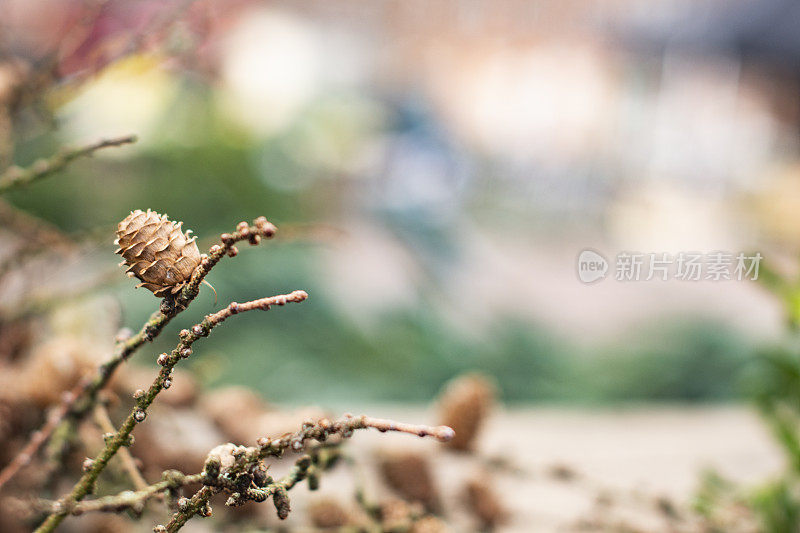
{"x": 434, "y": 170}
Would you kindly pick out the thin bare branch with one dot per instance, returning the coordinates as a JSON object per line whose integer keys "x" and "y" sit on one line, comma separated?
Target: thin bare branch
{"x": 128, "y": 462}
{"x": 16, "y": 176}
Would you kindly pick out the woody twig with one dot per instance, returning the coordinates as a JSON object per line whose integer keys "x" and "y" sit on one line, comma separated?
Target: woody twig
{"x": 16, "y": 176}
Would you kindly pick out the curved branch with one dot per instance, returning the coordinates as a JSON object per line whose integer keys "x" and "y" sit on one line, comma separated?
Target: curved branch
{"x": 16, "y": 176}
{"x": 172, "y": 479}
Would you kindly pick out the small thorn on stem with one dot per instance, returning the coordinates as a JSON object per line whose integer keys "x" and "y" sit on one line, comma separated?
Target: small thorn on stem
{"x": 213, "y": 289}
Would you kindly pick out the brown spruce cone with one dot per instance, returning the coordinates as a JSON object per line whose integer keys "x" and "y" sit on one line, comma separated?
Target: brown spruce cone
{"x": 464, "y": 405}
{"x": 328, "y": 514}
{"x": 484, "y": 503}
{"x": 157, "y": 251}
{"x": 409, "y": 475}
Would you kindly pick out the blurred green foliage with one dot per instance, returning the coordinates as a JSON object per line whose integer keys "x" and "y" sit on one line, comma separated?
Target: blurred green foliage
{"x": 772, "y": 380}
{"x": 678, "y": 359}
{"x": 778, "y": 506}
{"x": 203, "y": 170}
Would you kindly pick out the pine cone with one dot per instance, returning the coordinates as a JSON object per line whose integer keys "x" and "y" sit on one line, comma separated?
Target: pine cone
{"x": 410, "y": 475}
{"x": 328, "y": 514}
{"x": 464, "y": 405}
{"x": 484, "y": 503}
{"x": 157, "y": 251}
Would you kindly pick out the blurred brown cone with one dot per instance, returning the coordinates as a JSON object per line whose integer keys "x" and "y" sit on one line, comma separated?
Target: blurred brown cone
{"x": 409, "y": 474}
{"x": 464, "y": 405}
{"x": 484, "y": 504}
{"x": 328, "y": 513}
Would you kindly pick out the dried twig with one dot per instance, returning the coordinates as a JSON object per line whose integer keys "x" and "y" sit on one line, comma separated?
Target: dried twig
{"x": 171, "y": 479}
{"x": 196, "y": 505}
{"x": 93, "y": 467}
{"x": 16, "y": 176}
{"x": 128, "y": 462}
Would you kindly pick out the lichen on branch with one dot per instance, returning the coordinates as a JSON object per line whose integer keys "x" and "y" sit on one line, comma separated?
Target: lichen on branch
{"x": 235, "y": 469}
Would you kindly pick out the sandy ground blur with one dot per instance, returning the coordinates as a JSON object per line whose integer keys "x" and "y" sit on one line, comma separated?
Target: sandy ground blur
{"x": 632, "y": 456}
